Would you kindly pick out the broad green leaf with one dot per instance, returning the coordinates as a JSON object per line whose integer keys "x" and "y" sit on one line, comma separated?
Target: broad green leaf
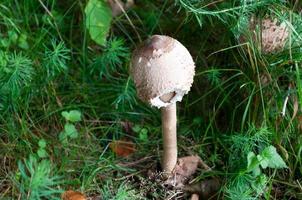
{"x": 72, "y": 116}
{"x": 63, "y": 137}
{"x": 65, "y": 114}
{"x": 259, "y": 184}
{"x": 22, "y": 42}
{"x": 42, "y": 153}
{"x": 272, "y": 159}
{"x": 257, "y": 171}
{"x": 70, "y": 130}
{"x": 4, "y": 58}
{"x": 136, "y": 128}
{"x": 263, "y": 161}
{"x": 42, "y": 143}
{"x": 4, "y": 42}
{"x": 143, "y": 134}
{"x": 253, "y": 164}
{"x": 98, "y": 20}
{"x": 251, "y": 161}
{"x": 13, "y": 36}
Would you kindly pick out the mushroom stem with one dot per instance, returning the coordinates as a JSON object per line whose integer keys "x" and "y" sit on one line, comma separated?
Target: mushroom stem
{"x": 169, "y": 138}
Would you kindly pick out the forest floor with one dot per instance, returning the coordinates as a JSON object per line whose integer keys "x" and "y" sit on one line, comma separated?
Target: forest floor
{"x": 70, "y": 118}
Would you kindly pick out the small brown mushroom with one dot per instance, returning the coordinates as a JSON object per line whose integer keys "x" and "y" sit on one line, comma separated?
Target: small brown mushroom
{"x": 163, "y": 71}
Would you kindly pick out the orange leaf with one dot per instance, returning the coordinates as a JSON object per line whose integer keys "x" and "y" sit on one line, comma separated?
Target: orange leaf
{"x": 73, "y": 195}
{"x": 122, "y": 148}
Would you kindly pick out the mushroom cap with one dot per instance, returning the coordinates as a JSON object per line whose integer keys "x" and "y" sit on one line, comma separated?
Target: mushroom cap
{"x": 163, "y": 71}
{"x": 272, "y": 37}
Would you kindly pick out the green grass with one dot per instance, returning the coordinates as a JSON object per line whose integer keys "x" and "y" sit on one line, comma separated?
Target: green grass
{"x": 49, "y": 64}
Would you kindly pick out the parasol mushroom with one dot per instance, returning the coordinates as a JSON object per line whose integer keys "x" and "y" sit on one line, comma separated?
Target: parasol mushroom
{"x": 163, "y": 70}
{"x": 272, "y": 37}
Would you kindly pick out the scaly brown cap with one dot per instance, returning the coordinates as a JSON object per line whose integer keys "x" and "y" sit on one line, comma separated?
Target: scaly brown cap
{"x": 272, "y": 37}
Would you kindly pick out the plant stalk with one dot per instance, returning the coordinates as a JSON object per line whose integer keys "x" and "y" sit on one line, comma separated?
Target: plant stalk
{"x": 169, "y": 138}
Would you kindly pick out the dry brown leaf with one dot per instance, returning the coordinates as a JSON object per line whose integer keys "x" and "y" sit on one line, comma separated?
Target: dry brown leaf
{"x": 122, "y": 148}
{"x": 183, "y": 170}
{"x": 206, "y": 189}
{"x": 73, "y": 195}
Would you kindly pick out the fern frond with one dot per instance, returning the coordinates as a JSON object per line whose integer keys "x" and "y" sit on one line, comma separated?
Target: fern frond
{"x": 126, "y": 94}
{"x": 225, "y": 12}
{"x": 16, "y": 73}
{"x": 55, "y": 58}
{"x": 36, "y": 180}
{"x": 111, "y": 59}
{"x": 241, "y": 144}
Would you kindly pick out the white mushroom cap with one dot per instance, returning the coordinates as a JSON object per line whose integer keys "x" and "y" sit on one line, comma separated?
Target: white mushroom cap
{"x": 163, "y": 71}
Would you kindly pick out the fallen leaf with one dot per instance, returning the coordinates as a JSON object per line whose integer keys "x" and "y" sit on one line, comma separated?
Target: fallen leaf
{"x": 73, "y": 195}
{"x": 206, "y": 189}
{"x": 122, "y": 148}
{"x": 183, "y": 170}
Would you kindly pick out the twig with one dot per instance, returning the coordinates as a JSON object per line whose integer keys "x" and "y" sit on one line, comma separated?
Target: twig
{"x": 132, "y": 25}
{"x": 284, "y": 106}
{"x": 285, "y": 102}
{"x": 128, "y": 176}
{"x": 204, "y": 165}
{"x": 299, "y": 184}
{"x": 174, "y": 195}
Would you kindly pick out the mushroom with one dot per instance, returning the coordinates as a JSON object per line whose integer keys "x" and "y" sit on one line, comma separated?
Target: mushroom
{"x": 163, "y": 70}
{"x": 272, "y": 37}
